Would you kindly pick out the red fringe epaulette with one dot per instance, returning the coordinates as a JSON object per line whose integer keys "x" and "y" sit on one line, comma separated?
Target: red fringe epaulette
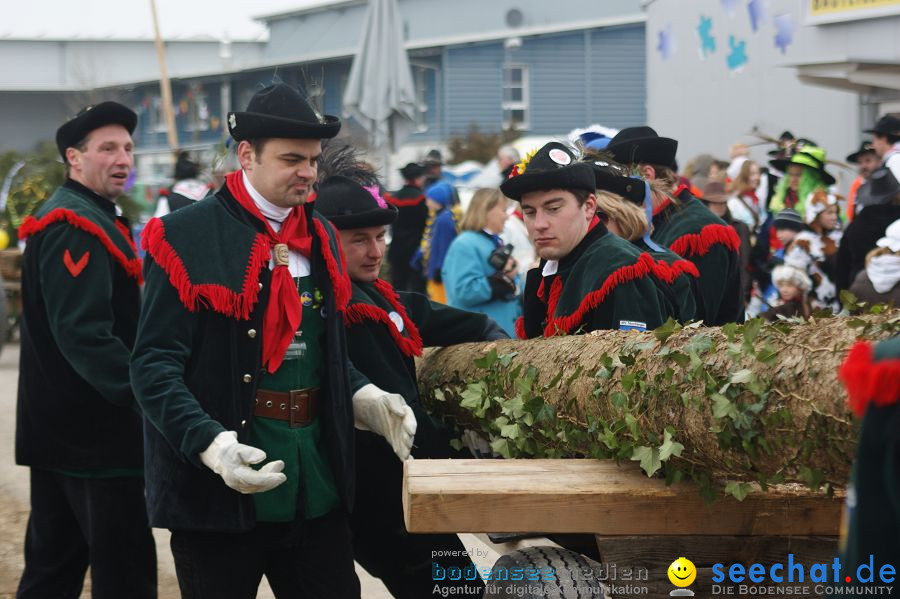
{"x": 403, "y": 203}
{"x": 566, "y": 324}
{"x": 698, "y": 244}
{"x": 31, "y": 226}
{"x": 520, "y": 328}
{"x": 217, "y": 297}
{"x": 669, "y": 272}
{"x": 340, "y": 280}
{"x": 868, "y": 381}
{"x": 356, "y": 313}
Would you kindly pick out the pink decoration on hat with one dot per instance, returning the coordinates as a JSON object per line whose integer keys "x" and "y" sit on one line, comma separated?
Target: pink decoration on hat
{"x": 377, "y": 195}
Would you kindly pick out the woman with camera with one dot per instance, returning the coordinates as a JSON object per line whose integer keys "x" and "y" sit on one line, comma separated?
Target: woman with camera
{"x": 479, "y": 273}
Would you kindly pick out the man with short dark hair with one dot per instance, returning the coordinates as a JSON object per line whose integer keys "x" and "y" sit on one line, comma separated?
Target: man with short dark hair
{"x": 588, "y": 279}
{"x": 241, "y": 357}
{"x": 886, "y": 142}
{"x": 386, "y": 330}
{"x": 684, "y": 225}
{"x": 866, "y": 160}
{"x": 77, "y": 425}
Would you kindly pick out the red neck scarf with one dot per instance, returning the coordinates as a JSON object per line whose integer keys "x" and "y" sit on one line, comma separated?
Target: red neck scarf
{"x": 284, "y": 310}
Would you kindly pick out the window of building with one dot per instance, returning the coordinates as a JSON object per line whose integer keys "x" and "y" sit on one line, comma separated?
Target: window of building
{"x": 421, "y": 77}
{"x": 195, "y": 107}
{"x": 515, "y": 96}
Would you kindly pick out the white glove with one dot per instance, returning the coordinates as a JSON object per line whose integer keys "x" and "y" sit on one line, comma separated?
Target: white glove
{"x": 231, "y": 460}
{"x": 385, "y": 414}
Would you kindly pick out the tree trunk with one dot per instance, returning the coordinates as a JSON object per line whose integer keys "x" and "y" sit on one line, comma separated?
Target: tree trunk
{"x": 757, "y": 402}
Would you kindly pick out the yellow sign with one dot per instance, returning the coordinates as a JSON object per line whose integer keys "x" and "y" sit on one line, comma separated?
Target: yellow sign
{"x": 831, "y": 11}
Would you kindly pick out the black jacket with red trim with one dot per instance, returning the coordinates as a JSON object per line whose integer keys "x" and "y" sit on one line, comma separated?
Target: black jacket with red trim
{"x": 198, "y": 356}
{"x": 386, "y": 330}
{"x": 407, "y": 230}
{"x": 690, "y": 230}
{"x": 80, "y": 305}
{"x": 871, "y": 523}
{"x": 604, "y": 283}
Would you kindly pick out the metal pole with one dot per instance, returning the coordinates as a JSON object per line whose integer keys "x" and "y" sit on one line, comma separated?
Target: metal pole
{"x": 164, "y": 85}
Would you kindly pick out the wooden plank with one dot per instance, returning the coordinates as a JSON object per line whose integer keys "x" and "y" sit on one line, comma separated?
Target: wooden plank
{"x": 595, "y": 496}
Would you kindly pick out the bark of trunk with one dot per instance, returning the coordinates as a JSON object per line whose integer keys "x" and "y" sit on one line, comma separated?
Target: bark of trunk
{"x": 802, "y": 431}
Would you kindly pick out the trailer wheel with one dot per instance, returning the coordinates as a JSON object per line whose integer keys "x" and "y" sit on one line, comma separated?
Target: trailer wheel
{"x": 560, "y": 574}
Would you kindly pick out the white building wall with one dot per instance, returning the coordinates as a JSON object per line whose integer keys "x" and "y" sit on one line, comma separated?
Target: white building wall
{"x": 707, "y": 107}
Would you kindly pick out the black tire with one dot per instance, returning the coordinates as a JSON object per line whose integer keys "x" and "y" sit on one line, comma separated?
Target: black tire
{"x": 561, "y": 574}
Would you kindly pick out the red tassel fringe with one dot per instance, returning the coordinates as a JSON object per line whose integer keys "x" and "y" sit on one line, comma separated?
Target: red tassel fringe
{"x": 669, "y": 272}
{"x": 217, "y": 297}
{"x": 698, "y": 244}
{"x": 31, "y": 226}
{"x": 868, "y": 381}
{"x": 403, "y": 203}
{"x": 566, "y": 324}
{"x": 356, "y": 313}
{"x": 338, "y": 275}
{"x": 520, "y": 328}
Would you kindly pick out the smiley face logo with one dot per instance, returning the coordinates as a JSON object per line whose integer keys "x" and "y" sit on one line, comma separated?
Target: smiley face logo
{"x": 682, "y": 572}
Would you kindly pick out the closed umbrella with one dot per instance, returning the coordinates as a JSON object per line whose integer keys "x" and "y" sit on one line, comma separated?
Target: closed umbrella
{"x": 380, "y": 94}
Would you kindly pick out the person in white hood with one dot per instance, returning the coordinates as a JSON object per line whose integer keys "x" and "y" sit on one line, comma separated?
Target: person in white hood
{"x": 880, "y": 281}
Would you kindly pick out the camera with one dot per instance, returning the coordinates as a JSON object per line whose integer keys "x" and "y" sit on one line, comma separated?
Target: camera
{"x": 500, "y": 256}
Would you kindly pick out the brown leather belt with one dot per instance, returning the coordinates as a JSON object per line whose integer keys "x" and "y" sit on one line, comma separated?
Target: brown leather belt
{"x": 299, "y": 406}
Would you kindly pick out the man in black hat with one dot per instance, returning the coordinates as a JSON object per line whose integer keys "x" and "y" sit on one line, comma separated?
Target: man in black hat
{"x": 241, "y": 357}
{"x": 684, "y": 225}
{"x": 886, "y": 142}
{"x": 386, "y": 330}
{"x": 406, "y": 233}
{"x": 866, "y": 160}
{"x": 588, "y": 278}
{"x": 434, "y": 163}
{"x": 77, "y": 425}
{"x": 879, "y": 206}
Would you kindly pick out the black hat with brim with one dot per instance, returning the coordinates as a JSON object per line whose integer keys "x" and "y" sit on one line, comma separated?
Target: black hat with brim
{"x": 72, "y": 132}
{"x": 349, "y": 205}
{"x": 608, "y": 177}
{"x": 886, "y": 125}
{"x": 280, "y": 111}
{"x": 552, "y": 167}
{"x": 864, "y": 148}
{"x": 412, "y": 170}
{"x": 642, "y": 145}
{"x": 805, "y": 160}
{"x": 880, "y": 188}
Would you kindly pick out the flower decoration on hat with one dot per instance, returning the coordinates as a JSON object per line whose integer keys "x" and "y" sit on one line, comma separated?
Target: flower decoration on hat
{"x": 523, "y": 164}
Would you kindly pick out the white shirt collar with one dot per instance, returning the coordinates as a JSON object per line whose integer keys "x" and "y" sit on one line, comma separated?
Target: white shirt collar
{"x": 550, "y": 268}
{"x": 267, "y": 208}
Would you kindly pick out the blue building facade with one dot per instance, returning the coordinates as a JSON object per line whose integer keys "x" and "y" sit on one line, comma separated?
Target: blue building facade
{"x": 542, "y": 85}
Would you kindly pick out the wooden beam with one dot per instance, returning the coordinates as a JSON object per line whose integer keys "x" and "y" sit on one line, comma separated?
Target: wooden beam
{"x": 595, "y": 496}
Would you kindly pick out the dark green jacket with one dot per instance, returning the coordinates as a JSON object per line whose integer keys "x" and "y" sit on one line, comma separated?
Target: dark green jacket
{"x": 406, "y": 232}
{"x": 605, "y": 282}
{"x": 80, "y": 304}
{"x": 387, "y": 330}
{"x": 690, "y": 230}
{"x": 681, "y": 281}
{"x": 198, "y": 356}
{"x": 871, "y": 523}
